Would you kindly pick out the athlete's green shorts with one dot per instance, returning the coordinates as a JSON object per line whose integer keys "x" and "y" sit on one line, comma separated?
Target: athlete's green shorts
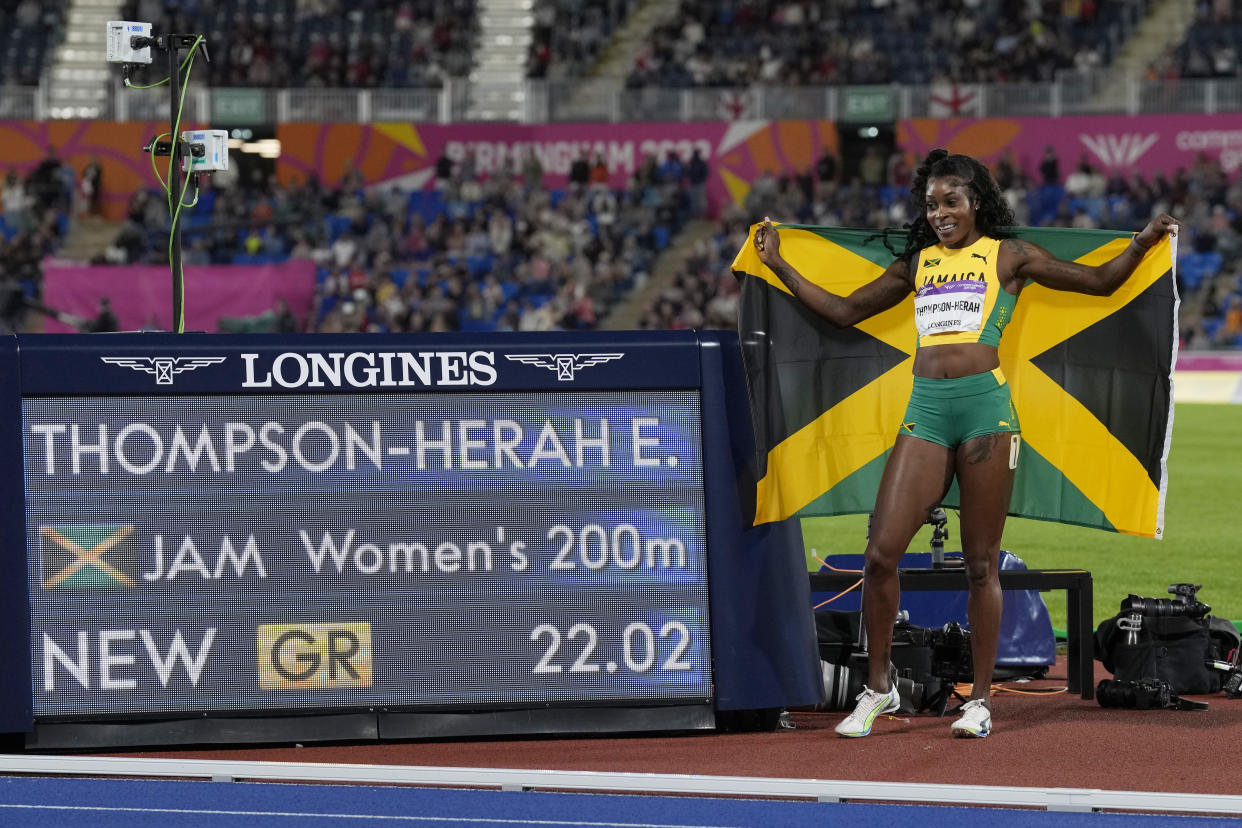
{"x": 951, "y": 411}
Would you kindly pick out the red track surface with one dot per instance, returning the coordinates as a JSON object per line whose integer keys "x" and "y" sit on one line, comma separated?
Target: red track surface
{"x": 1038, "y": 741}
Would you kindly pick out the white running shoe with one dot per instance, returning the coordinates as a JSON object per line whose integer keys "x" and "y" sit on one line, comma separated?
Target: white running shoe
{"x": 870, "y": 704}
{"x": 976, "y": 720}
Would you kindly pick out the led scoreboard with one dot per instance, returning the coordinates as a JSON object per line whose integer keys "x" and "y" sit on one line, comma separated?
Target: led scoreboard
{"x": 392, "y": 535}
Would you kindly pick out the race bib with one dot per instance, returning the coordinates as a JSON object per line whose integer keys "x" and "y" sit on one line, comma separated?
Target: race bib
{"x": 949, "y": 307}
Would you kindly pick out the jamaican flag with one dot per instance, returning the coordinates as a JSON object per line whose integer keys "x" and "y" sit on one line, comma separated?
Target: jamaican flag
{"x": 1091, "y": 379}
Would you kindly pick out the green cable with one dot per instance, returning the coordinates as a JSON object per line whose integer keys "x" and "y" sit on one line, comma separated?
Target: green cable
{"x": 148, "y": 86}
{"x": 176, "y": 216}
{"x": 165, "y": 80}
{"x": 188, "y": 66}
{"x": 159, "y": 176}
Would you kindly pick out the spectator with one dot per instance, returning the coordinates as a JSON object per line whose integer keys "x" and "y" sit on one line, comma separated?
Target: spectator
{"x": 286, "y": 321}
{"x": 671, "y": 170}
{"x": 599, "y": 172}
{"x": 105, "y": 320}
{"x": 1229, "y": 334}
{"x": 579, "y": 173}
{"x": 532, "y": 172}
{"x": 827, "y": 169}
{"x": 1050, "y": 168}
{"x": 90, "y": 185}
{"x": 697, "y": 173}
{"x": 444, "y": 169}
{"x": 16, "y": 201}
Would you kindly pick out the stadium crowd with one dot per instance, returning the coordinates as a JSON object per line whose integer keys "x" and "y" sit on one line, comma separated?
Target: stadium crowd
{"x": 477, "y": 253}
{"x": 34, "y": 219}
{"x": 798, "y": 42}
{"x": 29, "y": 33}
{"x": 505, "y": 251}
{"x": 1212, "y": 46}
{"x": 568, "y": 35}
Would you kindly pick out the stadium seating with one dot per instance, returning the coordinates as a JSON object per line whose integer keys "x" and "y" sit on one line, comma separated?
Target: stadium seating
{"x": 568, "y": 35}
{"x": 1211, "y": 49}
{"x": 327, "y": 43}
{"x": 861, "y": 42}
{"x": 29, "y": 33}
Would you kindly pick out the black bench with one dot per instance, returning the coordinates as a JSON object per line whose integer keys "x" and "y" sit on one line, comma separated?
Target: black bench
{"x": 1076, "y": 583}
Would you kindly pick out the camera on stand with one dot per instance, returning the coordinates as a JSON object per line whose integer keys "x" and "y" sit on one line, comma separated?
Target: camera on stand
{"x": 1184, "y": 603}
{"x": 926, "y": 664}
{"x": 951, "y": 658}
{"x": 939, "y": 522}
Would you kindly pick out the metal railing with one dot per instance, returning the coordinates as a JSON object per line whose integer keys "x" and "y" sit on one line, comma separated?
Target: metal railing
{"x": 610, "y": 101}
{"x": 21, "y": 103}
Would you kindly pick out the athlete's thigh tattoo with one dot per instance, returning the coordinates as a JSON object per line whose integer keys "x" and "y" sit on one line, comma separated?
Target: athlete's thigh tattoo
{"x": 983, "y": 448}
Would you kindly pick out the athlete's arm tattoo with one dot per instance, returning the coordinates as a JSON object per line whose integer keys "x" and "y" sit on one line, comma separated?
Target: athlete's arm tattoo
{"x": 1035, "y": 264}
{"x": 789, "y": 277}
{"x": 1063, "y": 268}
{"x": 870, "y": 299}
{"x": 1016, "y": 246}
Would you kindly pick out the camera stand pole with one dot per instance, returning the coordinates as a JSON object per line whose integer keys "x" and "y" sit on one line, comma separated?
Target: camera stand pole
{"x": 172, "y": 45}
{"x": 174, "y": 183}
{"x": 862, "y": 599}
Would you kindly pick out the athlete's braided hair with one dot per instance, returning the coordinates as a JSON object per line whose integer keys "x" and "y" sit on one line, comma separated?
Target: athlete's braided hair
{"x": 993, "y": 218}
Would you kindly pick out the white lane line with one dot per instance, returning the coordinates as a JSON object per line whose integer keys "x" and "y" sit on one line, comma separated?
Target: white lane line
{"x": 307, "y": 815}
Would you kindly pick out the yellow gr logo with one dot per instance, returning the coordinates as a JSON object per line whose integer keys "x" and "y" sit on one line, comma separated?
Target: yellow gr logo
{"x": 313, "y": 656}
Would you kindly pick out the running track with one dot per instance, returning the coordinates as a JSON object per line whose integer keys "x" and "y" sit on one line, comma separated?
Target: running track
{"x": 112, "y": 803}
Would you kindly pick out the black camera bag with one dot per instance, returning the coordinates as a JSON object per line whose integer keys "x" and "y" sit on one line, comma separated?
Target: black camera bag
{"x": 837, "y": 633}
{"x": 1175, "y": 649}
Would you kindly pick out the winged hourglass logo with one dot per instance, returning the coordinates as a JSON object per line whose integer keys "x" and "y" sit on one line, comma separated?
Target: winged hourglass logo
{"x": 163, "y": 367}
{"x": 565, "y": 365}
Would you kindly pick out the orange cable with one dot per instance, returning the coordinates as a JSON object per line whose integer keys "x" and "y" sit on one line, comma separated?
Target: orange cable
{"x": 1051, "y": 691}
{"x": 845, "y": 591}
{"x": 965, "y": 688}
{"x": 825, "y": 565}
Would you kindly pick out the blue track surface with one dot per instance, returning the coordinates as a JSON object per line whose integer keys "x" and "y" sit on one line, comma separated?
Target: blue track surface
{"x": 108, "y": 803}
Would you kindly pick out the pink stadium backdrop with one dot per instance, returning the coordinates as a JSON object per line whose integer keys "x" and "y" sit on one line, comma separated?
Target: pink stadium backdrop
{"x": 404, "y": 154}
{"x": 1142, "y": 143}
{"x": 738, "y": 152}
{"x": 142, "y": 295}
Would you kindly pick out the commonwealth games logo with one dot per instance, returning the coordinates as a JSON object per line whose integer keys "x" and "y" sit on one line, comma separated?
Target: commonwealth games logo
{"x": 88, "y": 556}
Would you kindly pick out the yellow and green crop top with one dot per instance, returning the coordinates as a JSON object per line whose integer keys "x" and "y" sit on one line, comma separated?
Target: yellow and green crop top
{"x": 958, "y": 296}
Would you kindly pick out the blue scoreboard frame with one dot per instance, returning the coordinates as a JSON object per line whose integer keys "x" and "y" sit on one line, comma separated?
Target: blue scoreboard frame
{"x": 257, "y": 538}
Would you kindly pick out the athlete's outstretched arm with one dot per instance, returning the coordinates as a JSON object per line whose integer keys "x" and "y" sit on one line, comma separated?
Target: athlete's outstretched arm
{"x": 1030, "y": 261}
{"x": 880, "y": 294}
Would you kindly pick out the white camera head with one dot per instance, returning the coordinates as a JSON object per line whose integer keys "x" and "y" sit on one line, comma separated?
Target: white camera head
{"x": 215, "y": 154}
{"x": 119, "y": 42}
